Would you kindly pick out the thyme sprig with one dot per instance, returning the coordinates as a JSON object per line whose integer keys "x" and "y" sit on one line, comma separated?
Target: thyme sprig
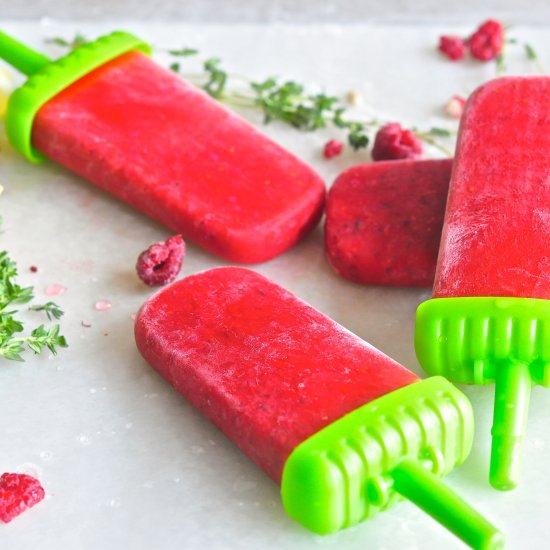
{"x": 12, "y": 344}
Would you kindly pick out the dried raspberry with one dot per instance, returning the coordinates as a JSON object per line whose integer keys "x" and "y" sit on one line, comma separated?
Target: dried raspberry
{"x": 332, "y": 148}
{"x": 18, "y": 492}
{"x": 161, "y": 262}
{"x": 486, "y": 43}
{"x": 455, "y": 106}
{"x": 393, "y": 142}
{"x": 453, "y": 47}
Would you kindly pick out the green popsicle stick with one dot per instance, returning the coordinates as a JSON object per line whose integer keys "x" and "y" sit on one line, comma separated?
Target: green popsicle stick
{"x": 505, "y": 341}
{"x": 20, "y": 56}
{"x": 414, "y": 482}
{"x": 48, "y": 78}
{"x": 399, "y": 445}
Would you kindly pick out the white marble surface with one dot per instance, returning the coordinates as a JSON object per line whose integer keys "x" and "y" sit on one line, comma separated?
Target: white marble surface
{"x": 126, "y": 463}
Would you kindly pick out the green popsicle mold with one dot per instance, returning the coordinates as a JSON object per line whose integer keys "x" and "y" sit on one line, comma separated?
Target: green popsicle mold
{"x": 47, "y": 78}
{"x": 396, "y": 446}
{"x": 505, "y": 341}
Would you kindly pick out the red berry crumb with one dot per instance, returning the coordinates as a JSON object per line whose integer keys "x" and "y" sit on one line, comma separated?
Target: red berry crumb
{"x": 487, "y": 42}
{"x": 18, "y": 492}
{"x": 332, "y": 148}
{"x": 453, "y": 47}
{"x": 393, "y": 142}
{"x": 161, "y": 262}
{"x": 33, "y": 269}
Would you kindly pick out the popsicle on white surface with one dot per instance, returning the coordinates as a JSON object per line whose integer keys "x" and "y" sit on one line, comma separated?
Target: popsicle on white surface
{"x": 137, "y": 130}
{"x": 384, "y": 219}
{"x": 489, "y": 320}
{"x": 343, "y": 428}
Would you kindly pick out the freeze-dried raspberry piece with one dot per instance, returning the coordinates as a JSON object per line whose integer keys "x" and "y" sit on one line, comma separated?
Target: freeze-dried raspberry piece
{"x": 453, "y": 47}
{"x": 332, "y": 148}
{"x": 487, "y": 42}
{"x": 393, "y": 142}
{"x": 18, "y": 492}
{"x": 161, "y": 262}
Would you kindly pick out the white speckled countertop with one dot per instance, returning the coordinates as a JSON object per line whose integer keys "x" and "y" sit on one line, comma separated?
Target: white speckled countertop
{"x": 125, "y": 461}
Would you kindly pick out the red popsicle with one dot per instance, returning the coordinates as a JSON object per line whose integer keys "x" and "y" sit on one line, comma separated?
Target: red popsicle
{"x": 342, "y": 426}
{"x": 490, "y": 319}
{"x": 384, "y": 219}
{"x": 165, "y": 147}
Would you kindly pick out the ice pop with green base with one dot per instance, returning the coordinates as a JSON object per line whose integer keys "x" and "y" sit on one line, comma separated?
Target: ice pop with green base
{"x": 489, "y": 319}
{"x": 344, "y": 429}
{"x": 109, "y": 113}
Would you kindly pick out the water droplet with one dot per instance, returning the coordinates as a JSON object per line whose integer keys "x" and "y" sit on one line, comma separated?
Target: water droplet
{"x": 55, "y": 290}
{"x": 93, "y": 390}
{"x": 128, "y": 425}
{"x": 103, "y": 305}
{"x": 84, "y": 439}
{"x": 197, "y": 450}
{"x": 177, "y": 480}
{"x": 114, "y": 503}
{"x": 150, "y": 395}
{"x": 149, "y": 484}
{"x": 46, "y": 455}
{"x": 301, "y": 385}
{"x": 133, "y": 316}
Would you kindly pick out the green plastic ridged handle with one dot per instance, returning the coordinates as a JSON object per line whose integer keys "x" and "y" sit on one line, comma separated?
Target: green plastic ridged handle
{"x": 48, "y": 78}
{"x": 399, "y": 445}
{"x": 505, "y": 341}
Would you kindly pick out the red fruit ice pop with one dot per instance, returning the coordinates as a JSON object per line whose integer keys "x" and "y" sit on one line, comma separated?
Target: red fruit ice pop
{"x": 384, "y": 220}
{"x": 343, "y": 428}
{"x": 489, "y": 320}
{"x": 112, "y": 115}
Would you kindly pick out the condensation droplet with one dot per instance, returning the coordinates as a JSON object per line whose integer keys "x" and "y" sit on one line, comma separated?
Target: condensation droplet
{"x": 93, "y": 390}
{"x": 103, "y": 305}
{"x": 148, "y": 484}
{"x": 197, "y": 450}
{"x": 84, "y": 439}
{"x": 46, "y": 455}
{"x": 115, "y": 503}
{"x": 128, "y": 425}
{"x": 55, "y": 290}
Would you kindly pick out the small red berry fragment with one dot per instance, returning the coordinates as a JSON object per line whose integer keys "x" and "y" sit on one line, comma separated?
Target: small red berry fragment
{"x": 487, "y": 42}
{"x": 455, "y": 106}
{"x": 18, "y": 492}
{"x": 332, "y": 148}
{"x": 393, "y": 142}
{"x": 453, "y": 47}
{"x": 33, "y": 269}
{"x": 161, "y": 262}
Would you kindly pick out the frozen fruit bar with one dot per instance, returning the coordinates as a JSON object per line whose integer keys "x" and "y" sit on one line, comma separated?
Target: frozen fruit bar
{"x": 384, "y": 220}
{"x": 489, "y": 320}
{"x": 140, "y": 132}
{"x": 340, "y": 425}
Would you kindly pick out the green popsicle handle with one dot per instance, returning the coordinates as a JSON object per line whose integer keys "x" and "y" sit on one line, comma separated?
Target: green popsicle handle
{"x": 416, "y": 483}
{"x": 513, "y": 385}
{"x": 23, "y": 58}
{"x": 48, "y": 78}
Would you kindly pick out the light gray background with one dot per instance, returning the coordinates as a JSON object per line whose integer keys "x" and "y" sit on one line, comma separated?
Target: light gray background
{"x": 125, "y": 461}
{"x": 299, "y": 11}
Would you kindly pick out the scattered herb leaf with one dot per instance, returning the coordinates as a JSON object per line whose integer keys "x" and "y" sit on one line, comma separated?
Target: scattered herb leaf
{"x": 51, "y": 309}
{"x": 11, "y": 294}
